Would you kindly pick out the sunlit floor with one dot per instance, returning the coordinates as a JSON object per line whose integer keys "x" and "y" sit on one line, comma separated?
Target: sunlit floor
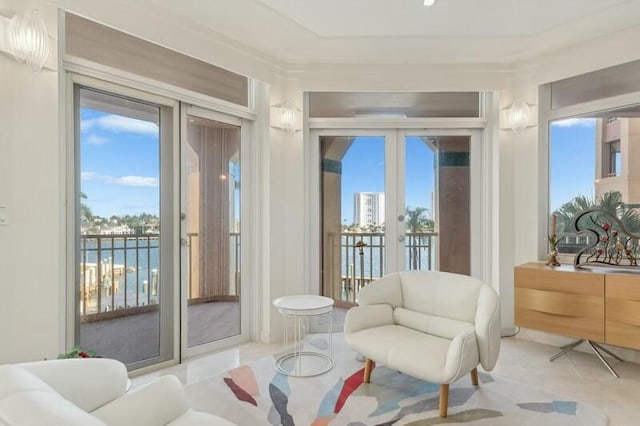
{"x": 578, "y": 375}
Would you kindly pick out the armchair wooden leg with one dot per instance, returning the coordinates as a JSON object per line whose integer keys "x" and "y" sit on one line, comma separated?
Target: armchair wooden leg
{"x": 444, "y": 399}
{"x": 474, "y": 376}
{"x": 367, "y": 370}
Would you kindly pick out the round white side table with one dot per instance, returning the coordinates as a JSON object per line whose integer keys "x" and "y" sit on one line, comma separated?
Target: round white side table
{"x": 298, "y": 362}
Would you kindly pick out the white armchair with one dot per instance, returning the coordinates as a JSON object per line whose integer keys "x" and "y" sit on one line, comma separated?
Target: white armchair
{"x": 435, "y": 326}
{"x": 91, "y": 392}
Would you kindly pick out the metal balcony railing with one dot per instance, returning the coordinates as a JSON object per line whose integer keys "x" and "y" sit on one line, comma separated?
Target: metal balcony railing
{"x": 363, "y": 257}
{"x": 118, "y": 272}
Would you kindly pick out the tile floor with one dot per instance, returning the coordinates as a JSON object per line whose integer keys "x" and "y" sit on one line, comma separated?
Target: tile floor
{"x": 575, "y": 376}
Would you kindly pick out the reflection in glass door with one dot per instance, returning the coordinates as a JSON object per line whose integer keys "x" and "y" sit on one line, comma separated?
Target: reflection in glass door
{"x": 399, "y": 201}
{"x": 211, "y": 229}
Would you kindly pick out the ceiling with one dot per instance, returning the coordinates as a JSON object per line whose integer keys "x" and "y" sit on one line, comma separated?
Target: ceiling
{"x": 304, "y": 32}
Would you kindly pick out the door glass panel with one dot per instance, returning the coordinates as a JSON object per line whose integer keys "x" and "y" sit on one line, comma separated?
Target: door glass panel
{"x": 119, "y": 222}
{"x": 452, "y": 200}
{"x": 212, "y": 222}
{"x": 354, "y": 227}
{"x": 420, "y": 192}
{"x": 352, "y": 213}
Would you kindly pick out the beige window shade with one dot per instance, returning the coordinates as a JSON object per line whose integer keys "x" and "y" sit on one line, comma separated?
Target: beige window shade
{"x": 595, "y": 85}
{"x": 401, "y": 104}
{"x": 89, "y": 40}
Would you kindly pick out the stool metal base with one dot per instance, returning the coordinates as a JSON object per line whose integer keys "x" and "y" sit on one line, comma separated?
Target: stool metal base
{"x": 594, "y": 346}
{"x": 297, "y": 369}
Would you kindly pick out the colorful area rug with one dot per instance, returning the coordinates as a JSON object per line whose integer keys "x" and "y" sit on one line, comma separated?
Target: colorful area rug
{"x": 255, "y": 394}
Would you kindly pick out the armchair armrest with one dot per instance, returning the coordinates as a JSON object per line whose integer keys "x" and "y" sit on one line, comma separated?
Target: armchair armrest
{"x": 488, "y": 327}
{"x": 387, "y": 289}
{"x": 156, "y": 403}
{"x": 455, "y": 366}
{"x": 362, "y": 317}
{"x": 88, "y": 383}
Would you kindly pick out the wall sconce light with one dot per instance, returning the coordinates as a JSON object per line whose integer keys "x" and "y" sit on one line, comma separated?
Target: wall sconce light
{"x": 286, "y": 117}
{"x": 28, "y": 40}
{"x": 518, "y": 115}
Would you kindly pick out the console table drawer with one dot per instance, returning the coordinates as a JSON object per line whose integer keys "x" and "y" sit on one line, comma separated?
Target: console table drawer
{"x": 560, "y": 301}
{"x": 623, "y": 310}
{"x": 560, "y": 313}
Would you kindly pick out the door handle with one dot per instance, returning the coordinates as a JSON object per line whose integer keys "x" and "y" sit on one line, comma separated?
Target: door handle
{"x": 184, "y": 242}
{"x": 401, "y": 238}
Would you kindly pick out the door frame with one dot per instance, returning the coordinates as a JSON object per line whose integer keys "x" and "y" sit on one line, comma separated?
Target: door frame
{"x": 169, "y": 160}
{"x": 394, "y": 200}
{"x": 245, "y": 156}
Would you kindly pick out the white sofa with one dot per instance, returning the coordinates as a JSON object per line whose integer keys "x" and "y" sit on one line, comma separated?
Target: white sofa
{"x": 435, "y": 326}
{"x": 91, "y": 392}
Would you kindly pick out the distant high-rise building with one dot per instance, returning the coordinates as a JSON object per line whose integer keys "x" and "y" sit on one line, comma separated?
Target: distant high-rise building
{"x": 368, "y": 208}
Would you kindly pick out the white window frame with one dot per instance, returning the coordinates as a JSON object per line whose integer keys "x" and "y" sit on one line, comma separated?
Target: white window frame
{"x": 73, "y": 186}
{"x": 245, "y": 236}
{"x": 545, "y": 116}
{"x": 77, "y": 69}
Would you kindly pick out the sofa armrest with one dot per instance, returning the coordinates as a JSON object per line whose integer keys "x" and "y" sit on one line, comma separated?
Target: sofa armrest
{"x": 362, "y": 317}
{"x": 156, "y": 403}
{"x": 88, "y": 383}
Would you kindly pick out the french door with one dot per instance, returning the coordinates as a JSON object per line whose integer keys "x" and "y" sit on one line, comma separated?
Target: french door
{"x": 391, "y": 200}
{"x": 213, "y": 313}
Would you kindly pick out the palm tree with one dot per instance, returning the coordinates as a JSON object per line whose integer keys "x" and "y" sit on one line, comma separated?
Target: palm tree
{"x": 570, "y": 210}
{"x": 610, "y": 202}
{"x": 416, "y": 222}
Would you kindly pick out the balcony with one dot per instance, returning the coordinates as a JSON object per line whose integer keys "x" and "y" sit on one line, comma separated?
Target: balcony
{"x": 363, "y": 258}
{"x": 120, "y": 289}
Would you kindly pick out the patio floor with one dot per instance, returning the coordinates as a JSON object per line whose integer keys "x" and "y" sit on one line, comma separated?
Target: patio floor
{"x": 137, "y": 337}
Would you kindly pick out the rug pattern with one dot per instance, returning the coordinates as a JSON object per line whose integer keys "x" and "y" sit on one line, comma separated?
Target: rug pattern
{"x": 256, "y": 394}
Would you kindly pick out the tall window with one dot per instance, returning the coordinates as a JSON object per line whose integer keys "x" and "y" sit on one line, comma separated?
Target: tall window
{"x": 594, "y": 164}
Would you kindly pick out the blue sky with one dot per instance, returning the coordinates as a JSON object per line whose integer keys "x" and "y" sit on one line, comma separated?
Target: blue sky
{"x": 572, "y": 161}
{"x": 363, "y": 171}
{"x": 120, "y": 161}
{"x": 120, "y": 165}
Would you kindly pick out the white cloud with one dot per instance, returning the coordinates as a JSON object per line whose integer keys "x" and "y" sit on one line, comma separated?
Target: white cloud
{"x": 574, "y": 122}
{"x": 118, "y": 123}
{"x": 122, "y": 180}
{"x": 137, "y": 181}
{"x": 93, "y": 139}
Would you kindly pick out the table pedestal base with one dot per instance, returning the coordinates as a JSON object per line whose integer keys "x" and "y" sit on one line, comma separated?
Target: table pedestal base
{"x": 594, "y": 348}
{"x": 304, "y": 364}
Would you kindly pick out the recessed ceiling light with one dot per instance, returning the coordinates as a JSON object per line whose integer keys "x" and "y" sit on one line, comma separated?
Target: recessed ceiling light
{"x": 429, "y": 2}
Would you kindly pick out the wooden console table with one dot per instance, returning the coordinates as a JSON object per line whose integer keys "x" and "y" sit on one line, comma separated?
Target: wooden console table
{"x": 592, "y": 305}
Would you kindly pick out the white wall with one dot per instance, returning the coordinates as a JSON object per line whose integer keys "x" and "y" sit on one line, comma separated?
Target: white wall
{"x": 286, "y": 207}
{"x": 30, "y": 257}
